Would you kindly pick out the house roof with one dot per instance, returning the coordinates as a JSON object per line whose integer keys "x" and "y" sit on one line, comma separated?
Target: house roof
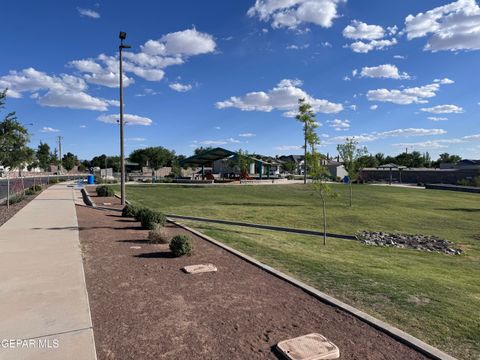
{"x": 391, "y": 166}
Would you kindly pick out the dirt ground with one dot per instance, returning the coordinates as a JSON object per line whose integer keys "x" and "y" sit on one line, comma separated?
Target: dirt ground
{"x": 144, "y": 307}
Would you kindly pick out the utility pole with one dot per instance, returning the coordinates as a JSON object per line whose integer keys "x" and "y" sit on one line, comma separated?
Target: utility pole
{"x": 122, "y": 36}
{"x": 60, "y": 139}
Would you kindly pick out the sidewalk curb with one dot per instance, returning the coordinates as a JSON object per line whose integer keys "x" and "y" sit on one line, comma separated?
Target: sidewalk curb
{"x": 391, "y": 331}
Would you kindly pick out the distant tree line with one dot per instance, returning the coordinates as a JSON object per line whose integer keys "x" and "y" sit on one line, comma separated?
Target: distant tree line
{"x": 411, "y": 159}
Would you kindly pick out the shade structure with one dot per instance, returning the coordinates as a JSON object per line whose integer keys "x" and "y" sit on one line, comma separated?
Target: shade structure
{"x": 207, "y": 157}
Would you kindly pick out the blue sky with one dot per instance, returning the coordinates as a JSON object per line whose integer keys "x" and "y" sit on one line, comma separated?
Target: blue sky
{"x": 395, "y": 75}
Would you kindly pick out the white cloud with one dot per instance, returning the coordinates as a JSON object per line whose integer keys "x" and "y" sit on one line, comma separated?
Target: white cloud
{"x": 359, "y": 30}
{"x": 284, "y": 97}
{"x": 88, "y": 13}
{"x": 444, "y": 109}
{"x": 454, "y": 26}
{"x": 472, "y": 137}
{"x": 47, "y": 129}
{"x": 374, "y": 107}
{"x": 369, "y": 37}
{"x": 246, "y": 135}
{"x": 213, "y": 142}
{"x": 129, "y": 119}
{"x": 50, "y": 90}
{"x": 293, "y": 13}
{"x": 217, "y": 127}
{"x": 369, "y": 137}
{"x": 73, "y": 100}
{"x": 365, "y": 47}
{"x": 155, "y": 55}
{"x": 288, "y": 147}
{"x": 83, "y": 126}
{"x": 435, "y": 118}
{"x": 339, "y": 125}
{"x": 220, "y": 142}
{"x": 234, "y": 141}
{"x": 297, "y": 47}
{"x": 417, "y": 95}
{"x": 401, "y": 57}
{"x": 424, "y": 145}
{"x": 188, "y": 42}
{"x": 180, "y": 87}
{"x": 387, "y": 71}
{"x": 136, "y": 139}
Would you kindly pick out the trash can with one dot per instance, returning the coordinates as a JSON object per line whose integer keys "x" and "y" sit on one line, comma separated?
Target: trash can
{"x": 91, "y": 180}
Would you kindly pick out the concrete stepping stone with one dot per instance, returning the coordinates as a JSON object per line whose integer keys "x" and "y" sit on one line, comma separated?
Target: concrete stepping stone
{"x": 201, "y": 268}
{"x": 135, "y": 247}
{"x": 309, "y": 347}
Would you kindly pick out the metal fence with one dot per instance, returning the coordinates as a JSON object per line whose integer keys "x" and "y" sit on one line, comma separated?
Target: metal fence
{"x": 11, "y": 188}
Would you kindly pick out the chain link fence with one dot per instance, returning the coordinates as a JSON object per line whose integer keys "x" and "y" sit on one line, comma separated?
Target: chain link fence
{"x": 14, "y": 188}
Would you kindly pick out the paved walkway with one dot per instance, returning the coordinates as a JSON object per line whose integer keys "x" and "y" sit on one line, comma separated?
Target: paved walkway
{"x": 43, "y": 296}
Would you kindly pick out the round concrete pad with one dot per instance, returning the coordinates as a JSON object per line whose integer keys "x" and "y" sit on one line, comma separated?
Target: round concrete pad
{"x": 201, "y": 268}
{"x": 309, "y": 347}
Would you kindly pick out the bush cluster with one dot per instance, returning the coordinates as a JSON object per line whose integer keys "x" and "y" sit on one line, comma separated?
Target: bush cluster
{"x": 130, "y": 210}
{"x": 32, "y": 190}
{"x": 158, "y": 235}
{"x": 181, "y": 245}
{"x": 150, "y": 219}
{"x": 16, "y": 198}
{"x": 52, "y": 180}
{"x": 105, "y": 191}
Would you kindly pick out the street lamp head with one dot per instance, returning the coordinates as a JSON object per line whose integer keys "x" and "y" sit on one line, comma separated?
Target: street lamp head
{"x": 122, "y": 35}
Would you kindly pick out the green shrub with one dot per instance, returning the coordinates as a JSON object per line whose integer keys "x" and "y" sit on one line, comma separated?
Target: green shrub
{"x": 32, "y": 190}
{"x": 52, "y": 180}
{"x": 139, "y": 213}
{"x": 158, "y": 235}
{"x": 105, "y": 191}
{"x": 181, "y": 245}
{"x": 150, "y": 218}
{"x": 16, "y": 198}
{"x": 130, "y": 210}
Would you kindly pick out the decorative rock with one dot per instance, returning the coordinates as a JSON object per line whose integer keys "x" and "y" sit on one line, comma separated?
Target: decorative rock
{"x": 418, "y": 242}
{"x": 201, "y": 268}
{"x": 309, "y": 347}
{"x": 135, "y": 247}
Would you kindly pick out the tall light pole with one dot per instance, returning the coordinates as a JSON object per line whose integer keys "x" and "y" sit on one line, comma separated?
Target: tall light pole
{"x": 122, "y": 46}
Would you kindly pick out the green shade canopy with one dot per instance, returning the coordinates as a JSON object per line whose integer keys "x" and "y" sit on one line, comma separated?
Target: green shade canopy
{"x": 207, "y": 157}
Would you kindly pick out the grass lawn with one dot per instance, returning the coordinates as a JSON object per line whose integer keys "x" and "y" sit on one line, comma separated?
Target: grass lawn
{"x": 435, "y": 297}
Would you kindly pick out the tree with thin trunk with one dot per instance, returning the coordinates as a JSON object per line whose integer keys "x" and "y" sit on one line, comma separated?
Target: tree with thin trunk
{"x": 307, "y": 117}
{"x": 319, "y": 175}
{"x": 350, "y": 153}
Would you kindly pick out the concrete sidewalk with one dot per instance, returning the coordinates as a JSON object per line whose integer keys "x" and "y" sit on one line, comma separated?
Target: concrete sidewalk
{"x": 43, "y": 296}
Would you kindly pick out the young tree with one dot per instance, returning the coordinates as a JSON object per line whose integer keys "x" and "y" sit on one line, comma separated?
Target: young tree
{"x": 289, "y": 166}
{"x": 43, "y": 156}
{"x": 319, "y": 175}
{"x": 243, "y": 163}
{"x": 69, "y": 161}
{"x": 14, "y": 138}
{"x": 307, "y": 117}
{"x": 350, "y": 153}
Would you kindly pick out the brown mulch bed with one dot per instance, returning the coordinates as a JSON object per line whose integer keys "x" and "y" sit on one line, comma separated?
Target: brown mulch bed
{"x": 144, "y": 307}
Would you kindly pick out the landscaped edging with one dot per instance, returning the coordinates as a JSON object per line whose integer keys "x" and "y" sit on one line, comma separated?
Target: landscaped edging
{"x": 261, "y": 226}
{"x": 392, "y": 331}
{"x": 87, "y": 199}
